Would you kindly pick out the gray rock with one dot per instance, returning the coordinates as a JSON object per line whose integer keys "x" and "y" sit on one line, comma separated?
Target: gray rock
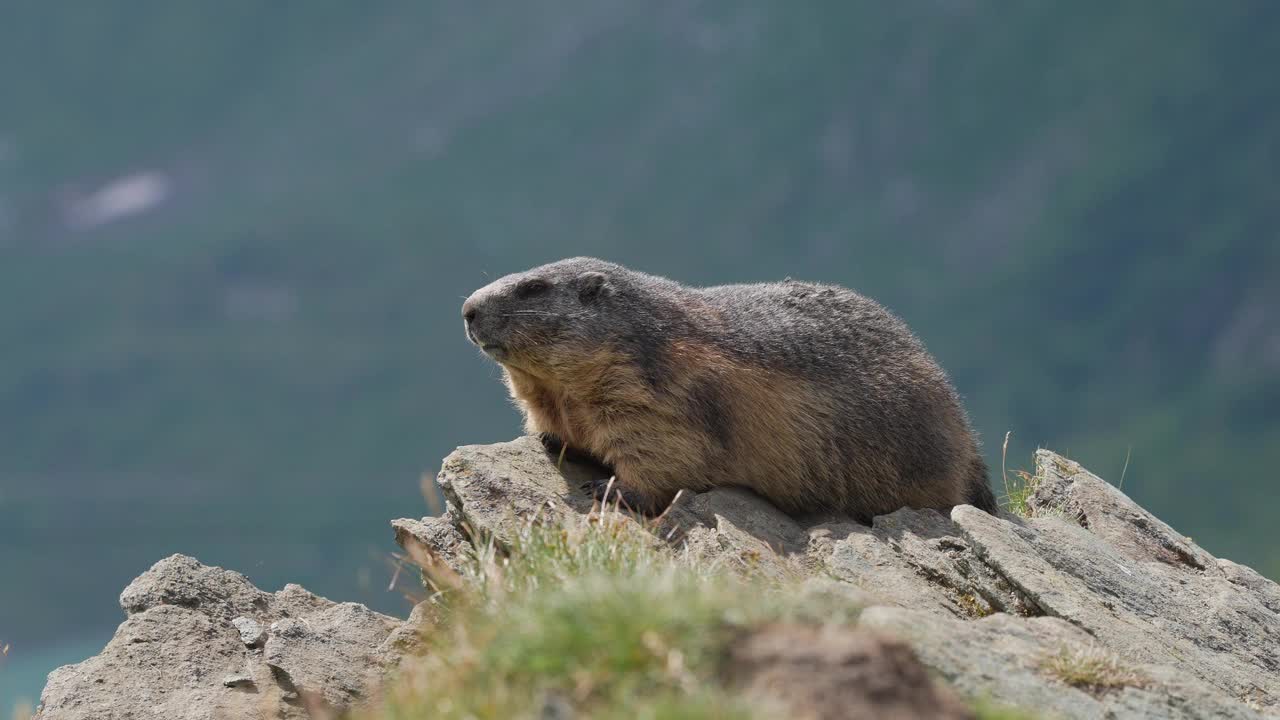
{"x": 187, "y": 651}
{"x": 984, "y": 599}
{"x": 1004, "y": 657}
{"x": 293, "y": 600}
{"x": 252, "y": 634}
{"x": 409, "y": 639}
{"x": 439, "y": 535}
{"x": 493, "y": 488}
{"x": 167, "y": 661}
{"x": 861, "y": 558}
{"x": 238, "y": 680}
{"x": 1133, "y": 583}
{"x": 748, "y": 513}
{"x": 332, "y": 654}
{"x": 729, "y": 546}
{"x": 1066, "y": 488}
{"x": 916, "y": 558}
{"x": 183, "y": 581}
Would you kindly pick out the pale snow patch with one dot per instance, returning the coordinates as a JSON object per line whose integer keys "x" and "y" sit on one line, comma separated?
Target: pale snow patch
{"x": 118, "y": 199}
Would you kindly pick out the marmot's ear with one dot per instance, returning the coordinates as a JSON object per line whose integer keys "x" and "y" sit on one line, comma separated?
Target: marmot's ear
{"x": 592, "y": 285}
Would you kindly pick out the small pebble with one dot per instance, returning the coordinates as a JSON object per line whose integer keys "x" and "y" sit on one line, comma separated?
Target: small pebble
{"x": 240, "y": 680}
{"x": 251, "y": 631}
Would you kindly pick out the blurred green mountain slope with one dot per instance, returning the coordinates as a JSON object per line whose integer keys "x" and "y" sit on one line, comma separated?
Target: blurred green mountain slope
{"x": 234, "y": 238}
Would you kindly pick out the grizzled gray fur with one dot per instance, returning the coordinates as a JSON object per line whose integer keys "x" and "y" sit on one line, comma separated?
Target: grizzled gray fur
{"x": 814, "y": 396}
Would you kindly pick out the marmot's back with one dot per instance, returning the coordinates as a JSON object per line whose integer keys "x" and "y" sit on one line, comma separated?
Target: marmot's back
{"x": 895, "y": 430}
{"x": 814, "y": 396}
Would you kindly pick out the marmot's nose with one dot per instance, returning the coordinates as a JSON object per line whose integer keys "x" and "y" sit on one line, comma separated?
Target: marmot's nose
{"x": 469, "y": 310}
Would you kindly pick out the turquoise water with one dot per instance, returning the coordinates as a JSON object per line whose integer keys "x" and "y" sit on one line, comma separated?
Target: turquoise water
{"x": 22, "y": 676}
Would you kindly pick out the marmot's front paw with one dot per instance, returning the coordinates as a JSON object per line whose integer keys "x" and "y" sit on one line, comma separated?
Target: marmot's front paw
{"x": 600, "y": 486}
{"x": 567, "y": 453}
{"x": 551, "y": 442}
{"x": 628, "y": 499}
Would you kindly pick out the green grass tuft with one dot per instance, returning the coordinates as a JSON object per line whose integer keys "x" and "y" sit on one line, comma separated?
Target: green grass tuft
{"x": 594, "y": 617}
{"x": 1018, "y": 489}
{"x": 1092, "y": 668}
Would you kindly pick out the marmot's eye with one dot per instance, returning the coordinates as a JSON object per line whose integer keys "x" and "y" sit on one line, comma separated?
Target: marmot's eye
{"x": 531, "y": 287}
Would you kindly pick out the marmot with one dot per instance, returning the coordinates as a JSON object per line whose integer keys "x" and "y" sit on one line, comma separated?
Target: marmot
{"x": 813, "y": 396}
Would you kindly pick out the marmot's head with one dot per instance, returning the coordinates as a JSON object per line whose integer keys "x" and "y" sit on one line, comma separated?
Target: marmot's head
{"x": 547, "y": 317}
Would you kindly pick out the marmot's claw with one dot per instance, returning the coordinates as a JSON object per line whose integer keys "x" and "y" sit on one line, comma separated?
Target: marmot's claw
{"x": 617, "y": 495}
{"x": 561, "y": 452}
{"x": 600, "y": 486}
{"x": 551, "y": 442}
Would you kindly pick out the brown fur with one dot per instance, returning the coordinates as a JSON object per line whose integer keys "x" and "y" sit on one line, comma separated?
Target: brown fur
{"x": 609, "y": 412}
{"x": 684, "y": 405}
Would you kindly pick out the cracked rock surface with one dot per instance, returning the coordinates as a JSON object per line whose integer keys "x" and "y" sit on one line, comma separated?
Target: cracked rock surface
{"x": 985, "y": 601}
{"x": 202, "y": 642}
{"x": 991, "y": 604}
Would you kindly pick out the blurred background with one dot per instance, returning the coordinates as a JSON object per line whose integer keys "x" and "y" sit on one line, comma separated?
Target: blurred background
{"x": 234, "y": 238}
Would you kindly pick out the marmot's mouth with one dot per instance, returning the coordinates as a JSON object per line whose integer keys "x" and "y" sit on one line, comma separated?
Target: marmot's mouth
{"x": 493, "y": 350}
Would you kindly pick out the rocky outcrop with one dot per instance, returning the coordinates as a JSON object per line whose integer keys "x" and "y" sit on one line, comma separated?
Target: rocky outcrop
{"x": 1002, "y": 607}
{"x": 202, "y": 642}
{"x": 1087, "y": 607}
